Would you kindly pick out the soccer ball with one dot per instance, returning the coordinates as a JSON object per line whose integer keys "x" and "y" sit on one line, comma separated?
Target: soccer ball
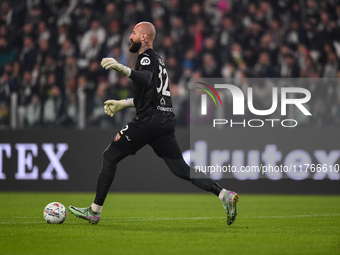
{"x": 55, "y": 213}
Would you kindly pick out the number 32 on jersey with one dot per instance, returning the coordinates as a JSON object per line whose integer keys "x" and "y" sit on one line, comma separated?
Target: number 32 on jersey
{"x": 163, "y": 87}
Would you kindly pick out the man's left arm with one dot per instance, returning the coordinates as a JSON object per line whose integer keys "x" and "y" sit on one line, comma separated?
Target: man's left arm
{"x": 142, "y": 77}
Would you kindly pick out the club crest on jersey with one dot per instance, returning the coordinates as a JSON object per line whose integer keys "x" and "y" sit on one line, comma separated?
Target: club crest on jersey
{"x": 117, "y": 137}
{"x": 145, "y": 61}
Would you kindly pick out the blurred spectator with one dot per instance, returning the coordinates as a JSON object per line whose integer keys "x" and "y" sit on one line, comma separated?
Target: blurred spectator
{"x": 33, "y": 112}
{"x": 295, "y": 13}
{"x": 71, "y": 110}
{"x": 7, "y": 53}
{"x": 323, "y": 57}
{"x": 327, "y": 31}
{"x": 97, "y": 117}
{"x": 195, "y": 14}
{"x": 70, "y": 74}
{"x": 158, "y": 11}
{"x": 331, "y": 68}
{"x": 301, "y": 55}
{"x": 88, "y": 88}
{"x": 35, "y": 15}
{"x": 235, "y": 56}
{"x": 6, "y": 14}
{"x": 210, "y": 69}
{"x": 96, "y": 31}
{"x": 177, "y": 31}
{"x": 28, "y": 54}
{"x": 4, "y": 115}
{"x": 167, "y": 49}
{"x": 67, "y": 50}
{"x": 43, "y": 31}
{"x": 124, "y": 91}
{"x": 26, "y": 90}
{"x": 111, "y": 14}
{"x": 227, "y": 34}
{"x": 267, "y": 46}
{"x": 284, "y": 50}
{"x": 5, "y": 91}
{"x": 113, "y": 38}
{"x": 4, "y": 33}
{"x": 43, "y": 52}
{"x": 183, "y": 83}
{"x": 174, "y": 10}
{"x": 130, "y": 14}
{"x": 8, "y": 68}
{"x": 83, "y": 20}
{"x": 63, "y": 17}
{"x": 91, "y": 52}
{"x": 161, "y": 32}
{"x": 263, "y": 68}
{"x": 312, "y": 12}
{"x": 54, "y": 109}
{"x": 294, "y": 35}
{"x": 210, "y": 48}
{"x": 16, "y": 77}
{"x": 190, "y": 59}
{"x": 174, "y": 69}
{"x": 177, "y": 98}
{"x": 63, "y": 34}
{"x": 289, "y": 68}
{"x": 95, "y": 71}
{"x": 47, "y": 67}
{"x": 276, "y": 32}
{"x": 309, "y": 67}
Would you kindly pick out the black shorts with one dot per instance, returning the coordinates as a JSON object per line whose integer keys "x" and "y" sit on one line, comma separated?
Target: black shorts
{"x": 133, "y": 137}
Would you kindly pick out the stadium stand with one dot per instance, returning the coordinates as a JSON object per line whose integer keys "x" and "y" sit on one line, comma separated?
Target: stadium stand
{"x": 50, "y": 52}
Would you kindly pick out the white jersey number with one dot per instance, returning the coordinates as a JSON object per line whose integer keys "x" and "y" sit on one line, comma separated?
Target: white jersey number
{"x": 163, "y": 74}
{"x": 124, "y": 129}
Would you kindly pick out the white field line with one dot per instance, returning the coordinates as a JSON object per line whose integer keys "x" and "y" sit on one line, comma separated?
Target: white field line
{"x": 170, "y": 219}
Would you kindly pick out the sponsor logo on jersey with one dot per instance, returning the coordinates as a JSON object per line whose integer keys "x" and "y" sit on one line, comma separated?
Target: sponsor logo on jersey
{"x": 162, "y": 101}
{"x": 117, "y": 137}
{"x": 164, "y": 109}
{"x": 145, "y": 61}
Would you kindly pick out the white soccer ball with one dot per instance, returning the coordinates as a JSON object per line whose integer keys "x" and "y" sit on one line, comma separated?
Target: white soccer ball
{"x": 55, "y": 213}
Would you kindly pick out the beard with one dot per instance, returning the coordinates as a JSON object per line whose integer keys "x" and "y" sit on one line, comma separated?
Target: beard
{"x": 134, "y": 47}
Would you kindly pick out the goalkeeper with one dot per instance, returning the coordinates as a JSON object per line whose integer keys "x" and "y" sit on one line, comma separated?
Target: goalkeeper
{"x": 154, "y": 124}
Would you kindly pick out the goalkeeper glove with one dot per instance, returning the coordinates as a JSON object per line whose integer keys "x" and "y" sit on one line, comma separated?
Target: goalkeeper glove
{"x": 113, "y": 106}
{"x": 111, "y": 63}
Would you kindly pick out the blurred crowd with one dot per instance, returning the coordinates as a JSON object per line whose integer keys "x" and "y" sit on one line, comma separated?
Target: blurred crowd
{"x": 50, "y": 52}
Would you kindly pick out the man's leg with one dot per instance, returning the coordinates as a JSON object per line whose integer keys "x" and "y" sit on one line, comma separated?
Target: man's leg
{"x": 166, "y": 146}
{"x": 111, "y": 157}
{"x": 127, "y": 142}
{"x": 229, "y": 198}
{"x": 180, "y": 168}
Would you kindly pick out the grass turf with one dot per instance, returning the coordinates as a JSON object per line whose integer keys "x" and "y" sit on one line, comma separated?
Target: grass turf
{"x": 172, "y": 224}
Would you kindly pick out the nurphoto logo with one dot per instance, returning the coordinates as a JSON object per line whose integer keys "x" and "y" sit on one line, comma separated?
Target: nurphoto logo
{"x": 238, "y": 104}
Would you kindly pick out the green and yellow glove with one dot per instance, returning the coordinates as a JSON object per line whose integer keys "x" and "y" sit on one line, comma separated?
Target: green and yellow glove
{"x": 111, "y": 107}
{"x": 111, "y": 63}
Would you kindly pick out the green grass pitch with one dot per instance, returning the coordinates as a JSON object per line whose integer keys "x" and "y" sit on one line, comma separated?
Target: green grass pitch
{"x": 172, "y": 224}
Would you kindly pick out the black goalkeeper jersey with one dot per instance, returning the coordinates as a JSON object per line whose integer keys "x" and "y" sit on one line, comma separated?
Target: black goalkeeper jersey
{"x": 153, "y": 101}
